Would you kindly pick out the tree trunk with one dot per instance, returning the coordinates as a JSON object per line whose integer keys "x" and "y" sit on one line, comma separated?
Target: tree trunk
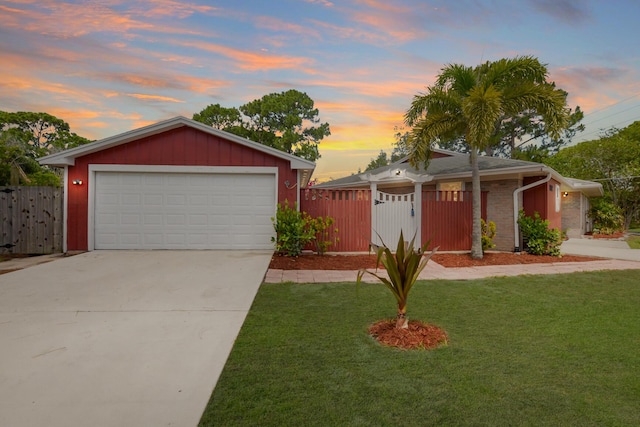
{"x": 401, "y": 319}
{"x": 476, "y": 234}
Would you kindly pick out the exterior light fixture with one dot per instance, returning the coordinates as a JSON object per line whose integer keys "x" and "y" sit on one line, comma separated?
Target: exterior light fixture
{"x": 77, "y": 182}
{"x": 398, "y": 172}
{"x": 565, "y": 194}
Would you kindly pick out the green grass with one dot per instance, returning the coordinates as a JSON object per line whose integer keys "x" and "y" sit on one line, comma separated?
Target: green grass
{"x": 634, "y": 242}
{"x": 533, "y": 350}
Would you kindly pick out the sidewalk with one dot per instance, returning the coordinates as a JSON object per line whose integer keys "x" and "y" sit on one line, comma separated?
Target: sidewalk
{"x": 436, "y": 271}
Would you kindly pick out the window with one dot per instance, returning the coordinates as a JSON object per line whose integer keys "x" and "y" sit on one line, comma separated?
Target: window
{"x": 451, "y": 191}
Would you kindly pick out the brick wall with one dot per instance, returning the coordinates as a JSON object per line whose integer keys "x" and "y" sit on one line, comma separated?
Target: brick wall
{"x": 500, "y": 211}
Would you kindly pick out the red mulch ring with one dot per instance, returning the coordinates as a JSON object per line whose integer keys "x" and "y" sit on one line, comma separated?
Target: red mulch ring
{"x": 356, "y": 262}
{"x": 417, "y": 336}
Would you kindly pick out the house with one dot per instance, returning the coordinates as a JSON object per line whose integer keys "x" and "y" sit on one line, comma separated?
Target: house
{"x": 176, "y": 184}
{"x": 435, "y": 204}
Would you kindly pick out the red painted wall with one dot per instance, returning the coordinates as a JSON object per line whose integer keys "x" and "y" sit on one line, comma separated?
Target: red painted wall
{"x": 542, "y": 199}
{"x": 183, "y": 146}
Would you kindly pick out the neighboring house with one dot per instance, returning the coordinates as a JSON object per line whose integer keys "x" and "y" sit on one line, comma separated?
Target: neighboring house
{"x": 176, "y": 184}
{"x": 435, "y": 204}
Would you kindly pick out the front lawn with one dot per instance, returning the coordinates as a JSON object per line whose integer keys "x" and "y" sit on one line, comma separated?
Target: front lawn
{"x": 531, "y": 350}
{"x": 633, "y": 242}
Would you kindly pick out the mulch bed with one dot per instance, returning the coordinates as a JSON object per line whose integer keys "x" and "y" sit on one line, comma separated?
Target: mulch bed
{"x": 418, "y": 335}
{"x": 449, "y": 260}
{"x": 614, "y": 236}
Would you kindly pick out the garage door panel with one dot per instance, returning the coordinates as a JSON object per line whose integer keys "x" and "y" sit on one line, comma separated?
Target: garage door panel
{"x": 183, "y": 211}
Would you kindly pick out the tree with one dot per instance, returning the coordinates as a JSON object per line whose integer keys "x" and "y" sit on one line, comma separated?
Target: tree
{"x": 25, "y": 136}
{"x": 524, "y": 137}
{"x": 471, "y": 104}
{"x": 287, "y": 121}
{"x": 613, "y": 160}
{"x": 220, "y": 117}
{"x": 399, "y": 151}
{"x": 378, "y": 162}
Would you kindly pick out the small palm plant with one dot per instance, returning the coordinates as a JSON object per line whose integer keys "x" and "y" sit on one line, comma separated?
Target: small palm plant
{"x": 403, "y": 269}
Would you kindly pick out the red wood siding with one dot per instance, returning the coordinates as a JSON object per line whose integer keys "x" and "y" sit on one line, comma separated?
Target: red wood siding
{"x": 351, "y": 210}
{"x": 447, "y": 218}
{"x": 542, "y": 199}
{"x": 183, "y": 146}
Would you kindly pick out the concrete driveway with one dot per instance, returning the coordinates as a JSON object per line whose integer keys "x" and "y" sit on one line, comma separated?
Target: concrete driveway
{"x": 604, "y": 248}
{"x": 121, "y": 338}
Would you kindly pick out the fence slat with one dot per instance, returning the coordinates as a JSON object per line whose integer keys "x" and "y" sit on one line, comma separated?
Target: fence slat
{"x": 31, "y": 220}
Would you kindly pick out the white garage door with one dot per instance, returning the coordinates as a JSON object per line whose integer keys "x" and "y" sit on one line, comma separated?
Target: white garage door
{"x": 140, "y": 210}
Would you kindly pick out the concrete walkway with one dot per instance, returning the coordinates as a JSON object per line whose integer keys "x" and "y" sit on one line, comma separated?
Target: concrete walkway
{"x": 120, "y": 338}
{"x": 616, "y": 255}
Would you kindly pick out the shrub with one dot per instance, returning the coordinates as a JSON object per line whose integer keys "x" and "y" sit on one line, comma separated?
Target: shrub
{"x": 607, "y": 218}
{"x": 488, "y": 233}
{"x": 322, "y": 230}
{"x": 292, "y": 231}
{"x": 541, "y": 240}
{"x": 403, "y": 269}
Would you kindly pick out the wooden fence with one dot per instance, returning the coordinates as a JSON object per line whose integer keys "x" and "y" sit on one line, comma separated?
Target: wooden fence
{"x": 447, "y": 218}
{"x": 351, "y": 210}
{"x": 30, "y": 220}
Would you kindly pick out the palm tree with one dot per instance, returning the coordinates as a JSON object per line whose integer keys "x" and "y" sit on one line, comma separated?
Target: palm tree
{"x": 470, "y": 103}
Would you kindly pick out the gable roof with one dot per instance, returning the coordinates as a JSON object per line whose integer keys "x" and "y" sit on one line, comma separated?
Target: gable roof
{"x": 67, "y": 157}
{"x": 458, "y": 166}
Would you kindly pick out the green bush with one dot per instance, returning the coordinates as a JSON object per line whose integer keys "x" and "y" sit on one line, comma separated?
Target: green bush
{"x": 541, "y": 240}
{"x": 322, "y": 230}
{"x": 488, "y": 233}
{"x": 607, "y": 218}
{"x": 292, "y": 230}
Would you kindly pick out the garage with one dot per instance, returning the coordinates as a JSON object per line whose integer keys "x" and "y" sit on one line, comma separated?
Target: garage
{"x": 143, "y": 210}
{"x": 175, "y": 184}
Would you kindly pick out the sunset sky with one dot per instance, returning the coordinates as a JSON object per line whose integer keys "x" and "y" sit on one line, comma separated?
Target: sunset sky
{"x": 108, "y": 66}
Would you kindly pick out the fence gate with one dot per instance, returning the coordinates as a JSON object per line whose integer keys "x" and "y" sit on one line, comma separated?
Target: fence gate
{"x": 30, "y": 220}
{"x": 392, "y": 213}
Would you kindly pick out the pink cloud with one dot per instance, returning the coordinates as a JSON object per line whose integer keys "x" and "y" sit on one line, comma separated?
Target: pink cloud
{"x": 160, "y": 98}
{"x": 252, "y": 61}
{"x": 325, "y": 3}
{"x": 174, "y": 9}
{"x": 276, "y": 24}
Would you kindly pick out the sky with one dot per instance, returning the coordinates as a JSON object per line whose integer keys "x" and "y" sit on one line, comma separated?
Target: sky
{"x": 109, "y": 66}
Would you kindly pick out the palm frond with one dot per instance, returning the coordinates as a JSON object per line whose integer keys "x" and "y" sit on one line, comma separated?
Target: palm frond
{"x": 457, "y": 78}
{"x": 505, "y": 71}
{"x": 482, "y": 110}
{"x": 428, "y": 131}
{"x": 403, "y": 269}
